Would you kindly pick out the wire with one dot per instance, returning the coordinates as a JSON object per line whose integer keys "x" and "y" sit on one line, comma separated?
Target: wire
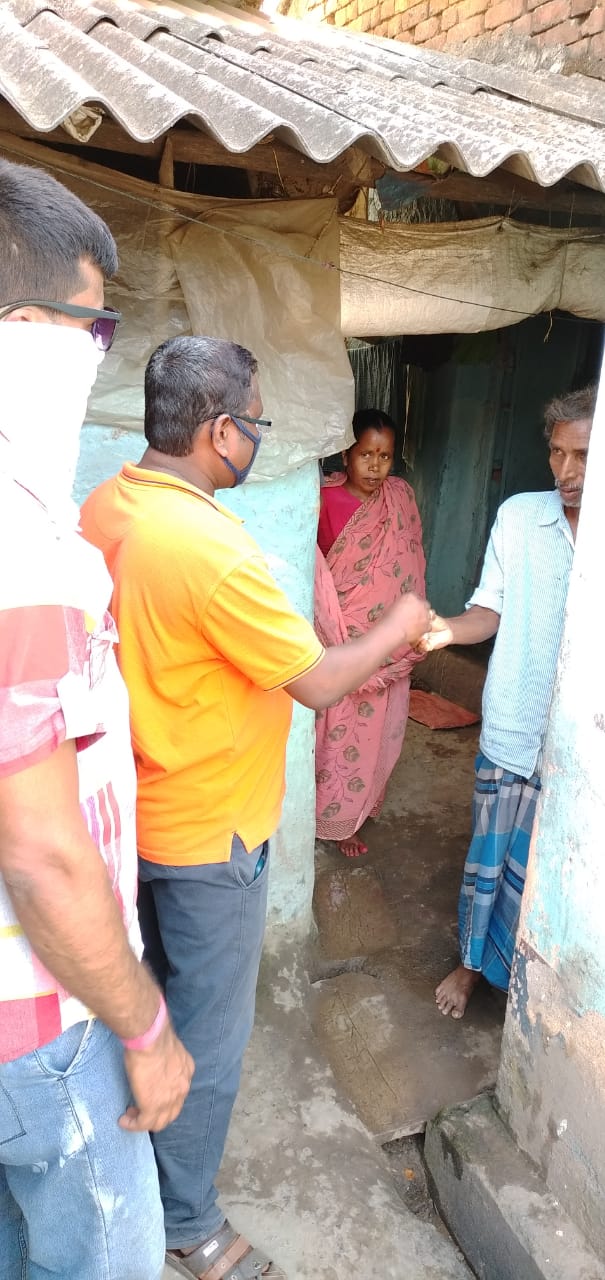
{"x": 288, "y": 253}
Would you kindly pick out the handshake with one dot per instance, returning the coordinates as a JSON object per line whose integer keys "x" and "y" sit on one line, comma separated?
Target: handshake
{"x": 424, "y": 629}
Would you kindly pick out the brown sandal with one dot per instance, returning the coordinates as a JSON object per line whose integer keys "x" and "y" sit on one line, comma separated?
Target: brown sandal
{"x": 225, "y": 1256}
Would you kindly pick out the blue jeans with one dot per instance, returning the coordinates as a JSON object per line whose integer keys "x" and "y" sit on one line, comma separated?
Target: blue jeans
{"x": 203, "y": 929}
{"x": 79, "y": 1197}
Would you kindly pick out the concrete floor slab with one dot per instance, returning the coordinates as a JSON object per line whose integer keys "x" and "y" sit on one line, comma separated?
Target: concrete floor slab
{"x": 302, "y": 1176}
{"x": 497, "y": 1206}
{"x": 352, "y": 914}
{"x": 397, "y": 1057}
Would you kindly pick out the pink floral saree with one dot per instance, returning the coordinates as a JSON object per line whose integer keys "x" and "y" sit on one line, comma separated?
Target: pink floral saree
{"x": 377, "y": 556}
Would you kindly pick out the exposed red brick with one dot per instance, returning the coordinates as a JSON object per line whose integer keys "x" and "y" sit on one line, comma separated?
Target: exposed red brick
{"x": 387, "y": 10}
{"x": 438, "y": 42}
{"x": 533, "y": 4}
{"x": 414, "y": 14}
{"x": 448, "y": 18}
{"x": 549, "y": 15}
{"x": 364, "y": 5}
{"x": 563, "y": 33}
{"x": 502, "y": 14}
{"x": 394, "y": 26}
{"x": 581, "y": 48}
{"x": 426, "y": 30}
{"x": 597, "y": 46}
{"x": 437, "y": 6}
{"x": 470, "y": 29}
{"x": 577, "y": 8}
{"x": 521, "y": 26}
{"x": 468, "y": 8}
{"x": 594, "y": 23}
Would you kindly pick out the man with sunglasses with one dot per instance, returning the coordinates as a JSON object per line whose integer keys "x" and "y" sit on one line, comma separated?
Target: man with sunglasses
{"x": 88, "y": 1058}
{"x": 213, "y": 654}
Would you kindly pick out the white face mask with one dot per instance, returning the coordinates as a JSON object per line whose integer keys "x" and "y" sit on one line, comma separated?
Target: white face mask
{"x": 47, "y": 372}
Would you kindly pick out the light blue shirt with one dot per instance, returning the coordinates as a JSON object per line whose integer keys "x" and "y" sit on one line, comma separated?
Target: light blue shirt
{"x": 525, "y": 579}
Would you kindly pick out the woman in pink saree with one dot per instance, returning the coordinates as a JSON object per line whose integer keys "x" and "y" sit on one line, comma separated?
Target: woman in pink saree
{"x": 369, "y": 552}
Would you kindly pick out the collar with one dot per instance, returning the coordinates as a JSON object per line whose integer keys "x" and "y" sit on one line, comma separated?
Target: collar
{"x": 165, "y": 480}
{"x": 553, "y": 512}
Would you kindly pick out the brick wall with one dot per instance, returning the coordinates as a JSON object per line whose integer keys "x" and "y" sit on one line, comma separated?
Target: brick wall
{"x": 576, "y": 25}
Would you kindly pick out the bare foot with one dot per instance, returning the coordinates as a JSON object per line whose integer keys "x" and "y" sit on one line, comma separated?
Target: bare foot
{"x": 352, "y": 848}
{"x": 453, "y": 994}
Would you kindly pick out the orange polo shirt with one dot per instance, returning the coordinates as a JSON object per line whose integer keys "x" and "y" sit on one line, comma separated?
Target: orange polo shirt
{"x": 207, "y": 640}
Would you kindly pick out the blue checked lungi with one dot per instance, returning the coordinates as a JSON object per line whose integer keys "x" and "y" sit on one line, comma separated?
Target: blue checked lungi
{"x": 504, "y": 806}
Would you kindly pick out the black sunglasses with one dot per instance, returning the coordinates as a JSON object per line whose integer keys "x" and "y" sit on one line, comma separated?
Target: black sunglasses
{"x": 263, "y": 423}
{"x": 105, "y": 322}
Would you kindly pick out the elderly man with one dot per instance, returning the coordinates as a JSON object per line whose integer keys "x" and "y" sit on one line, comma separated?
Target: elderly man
{"x": 88, "y": 1057}
{"x": 521, "y": 601}
{"x": 213, "y": 654}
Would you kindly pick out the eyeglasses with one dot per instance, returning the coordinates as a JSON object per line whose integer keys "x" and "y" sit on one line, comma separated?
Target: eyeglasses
{"x": 103, "y": 328}
{"x": 263, "y": 424}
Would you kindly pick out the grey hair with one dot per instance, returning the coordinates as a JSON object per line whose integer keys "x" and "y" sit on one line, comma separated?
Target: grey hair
{"x": 571, "y": 407}
{"x": 189, "y": 381}
{"x": 46, "y": 233}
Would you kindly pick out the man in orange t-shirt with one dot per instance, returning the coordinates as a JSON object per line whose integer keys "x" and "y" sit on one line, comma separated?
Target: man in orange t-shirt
{"x": 212, "y": 654}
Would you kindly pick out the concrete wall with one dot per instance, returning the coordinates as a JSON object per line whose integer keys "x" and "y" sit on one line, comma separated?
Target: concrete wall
{"x": 551, "y": 1086}
{"x": 579, "y": 25}
{"x": 282, "y": 515}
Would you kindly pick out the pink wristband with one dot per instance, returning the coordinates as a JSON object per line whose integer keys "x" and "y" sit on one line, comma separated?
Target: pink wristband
{"x": 150, "y": 1036}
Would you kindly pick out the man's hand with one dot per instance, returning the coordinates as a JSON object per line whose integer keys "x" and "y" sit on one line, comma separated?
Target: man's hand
{"x": 414, "y": 615}
{"x": 438, "y": 637}
{"x": 159, "y": 1078}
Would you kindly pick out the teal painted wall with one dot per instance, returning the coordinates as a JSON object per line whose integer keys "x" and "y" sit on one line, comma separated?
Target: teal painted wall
{"x": 551, "y": 1085}
{"x": 282, "y": 516}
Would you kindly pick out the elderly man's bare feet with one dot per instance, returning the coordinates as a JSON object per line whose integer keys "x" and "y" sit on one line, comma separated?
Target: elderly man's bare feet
{"x": 352, "y": 848}
{"x": 453, "y": 994}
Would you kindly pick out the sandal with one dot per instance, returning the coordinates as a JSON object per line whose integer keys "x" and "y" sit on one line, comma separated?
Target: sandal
{"x": 225, "y": 1256}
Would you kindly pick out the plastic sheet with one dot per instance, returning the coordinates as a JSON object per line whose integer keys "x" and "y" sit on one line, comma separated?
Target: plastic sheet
{"x": 257, "y": 272}
{"x": 463, "y": 277}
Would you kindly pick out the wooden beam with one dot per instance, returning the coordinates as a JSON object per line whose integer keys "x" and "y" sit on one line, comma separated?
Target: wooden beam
{"x": 191, "y": 146}
{"x": 166, "y": 171}
{"x": 507, "y": 191}
{"x": 298, "y": 175}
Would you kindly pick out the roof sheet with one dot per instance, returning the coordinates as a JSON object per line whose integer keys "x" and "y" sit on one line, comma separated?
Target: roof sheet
{"x": 241, "y": 77}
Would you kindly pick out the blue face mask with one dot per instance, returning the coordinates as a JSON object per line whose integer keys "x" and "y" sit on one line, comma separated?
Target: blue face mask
{"x": 242, "y": 473}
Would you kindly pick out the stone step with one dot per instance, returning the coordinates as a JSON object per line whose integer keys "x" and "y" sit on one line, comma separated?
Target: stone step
{"x": 496, "y": 1205}
{"x": 392, "y": 1052}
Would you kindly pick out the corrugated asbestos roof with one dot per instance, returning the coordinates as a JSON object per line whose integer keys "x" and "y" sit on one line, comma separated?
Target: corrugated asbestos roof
{"x": 241, "y": 77}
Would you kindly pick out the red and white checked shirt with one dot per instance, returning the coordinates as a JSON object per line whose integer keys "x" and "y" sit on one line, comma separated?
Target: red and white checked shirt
{"x": 59, "y": 680}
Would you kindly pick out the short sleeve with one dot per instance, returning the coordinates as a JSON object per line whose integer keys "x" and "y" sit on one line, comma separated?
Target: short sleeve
{"x": 252, "y": 624}
{"x": 47, "y": 681}
{"x": 490, "y": 592}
